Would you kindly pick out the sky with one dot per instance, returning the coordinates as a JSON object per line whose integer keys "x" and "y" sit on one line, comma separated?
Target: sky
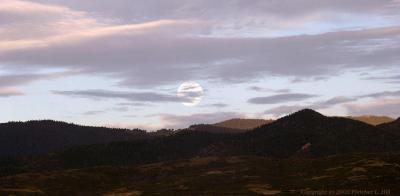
{"x": 121, "y": 63}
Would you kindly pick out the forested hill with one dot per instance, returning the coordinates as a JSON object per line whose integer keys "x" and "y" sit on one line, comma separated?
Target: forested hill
{"x": 37, "y": 137}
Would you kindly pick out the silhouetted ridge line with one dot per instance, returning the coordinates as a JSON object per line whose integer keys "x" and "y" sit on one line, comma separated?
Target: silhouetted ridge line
{"x": 372, "y": 120}
{"x": 244, "y": 124}
{"x": 316, "y": 134}
{"x": 305, "y": 113}
{"x": 393, "y": 126}
{"x": 49, "y": 122}
{"x": 214, "y": 129}
{"x": 40, "y": 137}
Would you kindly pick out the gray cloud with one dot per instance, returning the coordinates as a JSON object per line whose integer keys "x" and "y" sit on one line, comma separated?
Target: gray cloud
{"x": 10, "y": 82}
{"x": 280, "y": 98}
{"x": 94, "y": 112}
{"x": 131, "y": 116}
{"x": 387, "y": 107}
{"x": 309, "y": 79}
{"x": 13, "y": 80}
{"x": 168, "y": 51}
{"x": 134, "y": 104}
{"x": 382, "y": 94}
{"x": 128, "y": 96}
{"x": 98, "y": 112}
{"x": 217, "y": 105}
{"x": 21, "y": 79}
{"x": 155, "y": 59}
{"x": 338, "y": 100}
{"x": 379, "y": 106}
{"x": 261, "y": 89}
{"x": 237, "y": 13}
{"x": 284, "y": 109}
{"x": 159, "y": 43}
{"x": 388, "y": 79}
{"x": 332, "y": 102}
{"x": 287, "y": 109}
{"x": 257, "y": 89}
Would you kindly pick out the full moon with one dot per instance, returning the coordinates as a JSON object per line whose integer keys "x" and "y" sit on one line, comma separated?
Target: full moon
{"x": 191, "y": 93}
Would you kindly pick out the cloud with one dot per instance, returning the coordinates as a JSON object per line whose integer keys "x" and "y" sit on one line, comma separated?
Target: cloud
{"x": 159, "y": 43}
{"x": 170, "y": 47}
{"x": 124, "y": 95}
{"x": 9, "y": 92}
{"x": 26, "y": 20}
{"x": 338, "y": 100}
{"x": 388, "y": 79}
{"x": 134, "y": 104}
{"x": 280, "y": 98}
{"x": 284, "y": 110}
{"x": 83, "y": 35}
{"x": 10, "y": 82}
{"x": 104, "y": 111}
{"x": 387, "y": 107}
{"x": 143, "y": 60}
{"x": 183, "y": 121}
{"x": 382, "y": 94}
{"x": 94, "y": 112}
{"x": 377, "y": 106}
{"x": 261, "y": 89}
{"x": 217, "y": 105}
{"x": 332, "y": 102}
{"x": 287, "y": 109}
{"x": 238, "y": 14}
{"x": 20, "y": 79}
{"x": 13, "y": 80}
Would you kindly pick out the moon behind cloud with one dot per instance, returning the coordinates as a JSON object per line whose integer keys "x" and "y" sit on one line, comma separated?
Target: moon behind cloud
{"x": 191, "y": 93}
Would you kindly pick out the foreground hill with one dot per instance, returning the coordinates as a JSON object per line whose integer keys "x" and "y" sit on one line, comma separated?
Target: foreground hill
{"x": 304, "y": 151}
{"x": 372, "y": 120}
{"x": 393, "y": 126}
{"x": 304, "y": 133}
{"x": 295, "y": 155}
{"x": 244, "y": 175}
{"x": 243, "y": 124}
{"x": 37, "y": 137}
{"x": 324, "y": 136}
{"x": 215, "y": 129}
{"x": 232, "y": 126}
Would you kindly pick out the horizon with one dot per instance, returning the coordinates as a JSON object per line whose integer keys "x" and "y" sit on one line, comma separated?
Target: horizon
{"x": 199, "y": 123}
{"x": 154, "y": 64}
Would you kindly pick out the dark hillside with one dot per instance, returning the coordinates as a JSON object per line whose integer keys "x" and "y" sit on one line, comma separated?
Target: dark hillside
{"x": 214, "y": 129}
{"x": 305, "y": 133}
{"x": 39, "y": 137}
{"x": 394, "y": 125}
{"x": 327, "y": 136}
{"x": 184, "y": 144}
{"x": 286, "y": 137}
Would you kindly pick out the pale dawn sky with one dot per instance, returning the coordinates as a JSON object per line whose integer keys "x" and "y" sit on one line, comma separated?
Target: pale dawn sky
{"x": 154, "y": 64}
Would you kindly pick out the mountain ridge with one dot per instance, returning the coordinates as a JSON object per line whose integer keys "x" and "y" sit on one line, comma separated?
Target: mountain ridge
{"x": 38, "y": 137}
{"x": 327, "y": 135}
{"x": 281, "y": 138}
{"x": 240, "y": 123}
{"x": 286, "y": 137}
{"x": 372, "y": 119}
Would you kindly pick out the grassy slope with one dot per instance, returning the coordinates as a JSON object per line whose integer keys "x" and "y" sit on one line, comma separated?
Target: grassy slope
{"x": 216, "y": 176}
